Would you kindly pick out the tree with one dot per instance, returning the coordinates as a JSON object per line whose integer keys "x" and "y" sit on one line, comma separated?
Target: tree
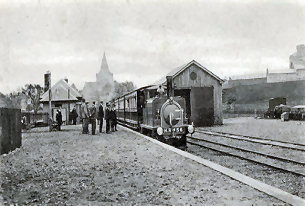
{"x": 33, "y": 93}
{"x": 121, "y": 88}
{"x": 16, "y": 98}
{"x": 5, "y": 101}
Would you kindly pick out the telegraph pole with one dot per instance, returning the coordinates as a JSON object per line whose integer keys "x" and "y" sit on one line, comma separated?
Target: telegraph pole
{"x": 68, "y": 116}
{"x": 50, "y": 102}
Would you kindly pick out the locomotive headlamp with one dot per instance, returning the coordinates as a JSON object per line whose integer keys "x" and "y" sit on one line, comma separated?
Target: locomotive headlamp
{"x": 159, "y": 131}
{"x": 190, "y": 129}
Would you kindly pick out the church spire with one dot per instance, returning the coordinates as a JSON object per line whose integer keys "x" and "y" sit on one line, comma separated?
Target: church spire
{"x": 104, "y": 66}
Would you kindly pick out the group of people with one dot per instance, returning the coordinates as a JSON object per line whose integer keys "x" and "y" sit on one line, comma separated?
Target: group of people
{"x": 91, "y": 114}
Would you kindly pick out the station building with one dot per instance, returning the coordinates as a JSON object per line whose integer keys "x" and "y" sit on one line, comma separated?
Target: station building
{"x": 202, "y": 90}
{"x": 64, "y": 97}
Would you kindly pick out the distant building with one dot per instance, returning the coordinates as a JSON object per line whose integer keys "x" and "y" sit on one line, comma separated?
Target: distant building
{"x": 103, "y": 87}
{"x": 252, "y": 94}
{"x": 64, "y": 97}
{"x": 297, "y": 59}
{"x": 296, "y": 72}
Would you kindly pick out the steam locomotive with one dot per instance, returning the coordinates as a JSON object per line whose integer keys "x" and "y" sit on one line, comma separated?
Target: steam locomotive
{"x": 160, "y": 116}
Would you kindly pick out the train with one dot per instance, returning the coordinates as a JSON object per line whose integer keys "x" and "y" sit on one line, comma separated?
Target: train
{"x": 161, "y": 116}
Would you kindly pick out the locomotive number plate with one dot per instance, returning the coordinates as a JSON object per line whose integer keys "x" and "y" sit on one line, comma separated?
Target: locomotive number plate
{"x": 176, "y": 129}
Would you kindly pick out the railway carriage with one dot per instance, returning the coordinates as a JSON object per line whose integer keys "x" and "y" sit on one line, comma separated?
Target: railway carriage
{"x": 160, "y": 116}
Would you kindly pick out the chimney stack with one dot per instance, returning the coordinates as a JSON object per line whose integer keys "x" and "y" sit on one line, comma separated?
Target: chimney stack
{"x": 66, "y": 79}
{"x": 47, "y": 77}
{"x": 170, "y": 88}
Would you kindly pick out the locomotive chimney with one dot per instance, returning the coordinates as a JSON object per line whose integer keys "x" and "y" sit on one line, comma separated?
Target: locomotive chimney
{"x": 47, "y": 77}
{"x": 170, "y": 89}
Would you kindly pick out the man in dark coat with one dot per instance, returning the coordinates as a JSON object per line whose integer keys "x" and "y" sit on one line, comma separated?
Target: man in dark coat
{"x": 92, "y": 118}
{"x": 85, "y": 116}
{"x": 58, "y": 118}
{"x": 100, "y": 116}
{"x": 107, "y": 118}
{"x": 74, "y": 115}
{"x": 113, "y": 119}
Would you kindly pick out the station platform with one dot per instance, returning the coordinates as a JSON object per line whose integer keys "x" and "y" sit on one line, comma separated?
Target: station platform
{"x": 70, "y": 168}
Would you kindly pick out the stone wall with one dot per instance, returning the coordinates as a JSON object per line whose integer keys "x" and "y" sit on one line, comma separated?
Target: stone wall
{"x": 248, "y": 98}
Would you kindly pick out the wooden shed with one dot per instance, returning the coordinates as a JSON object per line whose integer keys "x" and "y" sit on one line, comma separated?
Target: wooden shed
{"x": 202, "y": 90}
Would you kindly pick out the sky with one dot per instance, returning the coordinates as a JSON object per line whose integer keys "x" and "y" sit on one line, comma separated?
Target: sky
{"x": 144, "y": 40}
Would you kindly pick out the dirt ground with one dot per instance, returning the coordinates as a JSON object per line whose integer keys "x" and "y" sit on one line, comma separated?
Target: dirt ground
{"x": 68, "y": 168}
{"x": 291, "y": 131}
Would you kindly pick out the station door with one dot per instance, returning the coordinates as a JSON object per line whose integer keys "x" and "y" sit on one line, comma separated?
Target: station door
{"x": 202, "y": 106}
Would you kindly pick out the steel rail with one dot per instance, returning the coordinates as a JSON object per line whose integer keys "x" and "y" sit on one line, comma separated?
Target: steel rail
{"x": 257, "y": 140}
{"x": 243, "y": 158}
{"x": 256, "y": 184}
{"x": 251, "y": 151}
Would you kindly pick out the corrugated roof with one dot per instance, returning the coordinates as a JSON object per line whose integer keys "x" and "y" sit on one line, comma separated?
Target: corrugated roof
{"x": 60, "y": 92}
{"x": 180, "y": 69}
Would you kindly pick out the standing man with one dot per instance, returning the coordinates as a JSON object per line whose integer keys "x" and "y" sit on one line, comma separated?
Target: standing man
{"x": 92, "y": 116}
{"x": 58, "y": 118}
{"x": 85, "y": 116}
{"x": 114, "y": 118}
{"x": 100, "y": 116}
{"x": 107, "y": 118}
{"x": 82, "y": 106}
{"x": 74, "y": 115}
{"x": 160, "y": 90}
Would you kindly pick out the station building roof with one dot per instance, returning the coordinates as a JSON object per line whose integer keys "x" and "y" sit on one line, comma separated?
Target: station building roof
{"x": 175, "y": 72}
{"x": 62, "y": 91}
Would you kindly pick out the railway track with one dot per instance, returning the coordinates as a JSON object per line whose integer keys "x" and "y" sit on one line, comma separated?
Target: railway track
{"x": 290, "y": 198}
{"x": 260, "y": 140}
{"x": 274, "y": 161}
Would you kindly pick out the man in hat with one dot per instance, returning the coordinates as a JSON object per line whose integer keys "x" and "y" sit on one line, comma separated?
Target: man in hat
{"x": 100, "y": 116}
{"x": 107, "y": 117}
{"x": 85, "y": 116}
{"x": 92, "y": 118}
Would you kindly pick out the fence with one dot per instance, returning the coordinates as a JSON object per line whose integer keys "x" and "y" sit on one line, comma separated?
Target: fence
{"x": 38, "y": 119}
{"x": 10, "y": 129}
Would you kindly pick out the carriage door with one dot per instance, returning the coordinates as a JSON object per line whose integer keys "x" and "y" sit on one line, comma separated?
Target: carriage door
{"x": 202, "y": 106}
